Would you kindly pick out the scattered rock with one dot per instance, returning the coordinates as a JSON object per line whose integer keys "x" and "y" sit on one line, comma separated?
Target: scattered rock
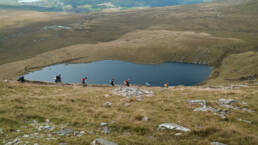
{"x": 64, "y": 132}
{"x": 1, "y": 131}
{"x": 127, "y": 104}
{"x": 173, "y": 126}
{"x": 101, "y": 141}
{"x": 14, "y": 142}
{"x": 106, "y": 130}
{"x": 217, "y": 143}
{"x": 244, "y": 103}
{"x": 107, "y": 104}
{"x": 106, "y": 95}
{"x": 201, "y": 102}
{"x": 46, "y": 128}
{"x": 246, "y": 121}
{"x": 130, "y": 92}
{"x": 222, "y": 113}
{"x": 203, "y": 107}
{"x": 227, "y": 103}
{"x": 247, "y": 110}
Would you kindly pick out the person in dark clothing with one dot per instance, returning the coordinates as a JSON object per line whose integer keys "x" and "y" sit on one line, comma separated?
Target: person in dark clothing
{"x": 21, "y": 79}
{"x": 112, "y": 82}
{"x": 58, "y": 79}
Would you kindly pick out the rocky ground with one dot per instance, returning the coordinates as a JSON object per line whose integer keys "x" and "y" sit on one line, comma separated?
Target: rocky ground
{"x": 66, "y": 115}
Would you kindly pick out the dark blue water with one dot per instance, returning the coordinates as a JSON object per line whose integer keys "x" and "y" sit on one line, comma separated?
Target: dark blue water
{"x": 101, "y": 72}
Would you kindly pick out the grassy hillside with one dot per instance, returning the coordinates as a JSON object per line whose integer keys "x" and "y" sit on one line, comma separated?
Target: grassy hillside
{"x": 81, "y": 109}
{"x": 203, "y": 33}
{"x": 238, "y": 67}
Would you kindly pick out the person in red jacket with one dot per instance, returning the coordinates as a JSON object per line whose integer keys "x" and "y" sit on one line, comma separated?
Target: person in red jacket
{"x": 127, "y": 83}
{"x": 84, "y": 84}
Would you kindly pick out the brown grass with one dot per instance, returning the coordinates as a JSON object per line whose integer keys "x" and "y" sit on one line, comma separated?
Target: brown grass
{"x": 82, "y": 109}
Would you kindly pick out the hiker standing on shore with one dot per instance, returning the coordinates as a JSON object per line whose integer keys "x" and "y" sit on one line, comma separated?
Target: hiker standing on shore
{"x": 166, "y": 85}
{"x": 58, "y": 79}
{"x": 127, "y": 83}
{"x": 21, "y": 79}
{"x": 112, "y": 82}
{"x": 148, "y": 84}
{"x": 84, "y": 84}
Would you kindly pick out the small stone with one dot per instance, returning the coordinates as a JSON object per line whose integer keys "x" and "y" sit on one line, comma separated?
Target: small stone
{"x": 46, "y": 128}
{"x": 127, "y": 104}
{"x": 103, "y": 124}
{"x": 106, "y": 130}
{"x": 145, "y": 118}
{"x": 244, "y": 103}
{"x": 217, "y": 143}
{"x": 76, "y": 133}
{"x": 178, "y": 134}
{"x": 111, "y": 121}
{"x": 47, "y": 121}
{"x": 64, "y": 132}
{"x": 1, "y": 131}
{"x": 91, "y": 132}
{"x": 107, "y": 104}
{"x": 63, "y": 144}
{"x": 106, "y": 95}
{"x": 36, "y": 144}
{"x": 26, "y": 136}
{"x": 101, "y": 141}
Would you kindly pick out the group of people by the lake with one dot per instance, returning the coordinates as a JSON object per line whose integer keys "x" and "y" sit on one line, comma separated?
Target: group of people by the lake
{"x": 127, "y": 83}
